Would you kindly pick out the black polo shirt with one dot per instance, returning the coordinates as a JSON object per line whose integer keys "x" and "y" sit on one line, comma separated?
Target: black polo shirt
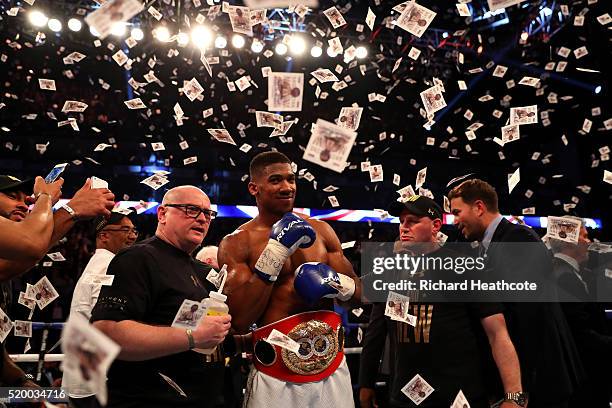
{"x": 152, "y": 278}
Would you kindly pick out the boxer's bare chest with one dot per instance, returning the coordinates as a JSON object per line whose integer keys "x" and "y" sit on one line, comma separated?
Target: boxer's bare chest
{"x": 284, "y": 301}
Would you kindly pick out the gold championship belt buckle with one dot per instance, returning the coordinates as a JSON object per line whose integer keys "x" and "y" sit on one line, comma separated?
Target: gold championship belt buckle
{"x": 321, "y": 338}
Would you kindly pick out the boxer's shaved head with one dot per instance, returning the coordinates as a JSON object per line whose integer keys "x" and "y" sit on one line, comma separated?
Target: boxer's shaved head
{"x": 259, "y": 162}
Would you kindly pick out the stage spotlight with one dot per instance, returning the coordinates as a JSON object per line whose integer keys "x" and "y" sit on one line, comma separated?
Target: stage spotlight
{"x": 445, "y": 34}
{"x": 257, "y": 46}
{"x": 93, "y": 31}
{"x": 237, "y": 41}
{"x": 316, "y": 51}
{"x": 75, "y": 24}
{"x": 37, "y": 18}
{"x": 524, "y": 36}
{"x": 201, "y": 36}
{"x": 297, "y": 45}
{"x": 597, "y": 89}
{"x": 118, "y": 29}
{"x": 182, "y": 39}
{"x": 479, "y": 49}
{"x": 331, "y": 52}
{"x": 280, "y": 49}
{"x": 137, "y": 34}
{"x": 55, "y": 25}
{"x": 361, "y": 52}
{"x": 162, "y": 34}
{"x": 221, "y": 42}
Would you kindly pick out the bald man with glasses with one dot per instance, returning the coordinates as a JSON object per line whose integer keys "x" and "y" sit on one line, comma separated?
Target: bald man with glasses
{"x": 152, "y": 278}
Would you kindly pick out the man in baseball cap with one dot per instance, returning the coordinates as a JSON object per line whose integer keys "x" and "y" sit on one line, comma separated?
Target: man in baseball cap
{"x": 12, "y": 186}
{"x": 417, "y": 205}
{"x": 443, "y": 343}
{"x": 8, "y": 182}
{"x": 420, "y": 217}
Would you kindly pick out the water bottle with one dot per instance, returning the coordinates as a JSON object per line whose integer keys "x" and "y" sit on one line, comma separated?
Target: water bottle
{"x": 215, "y": 306}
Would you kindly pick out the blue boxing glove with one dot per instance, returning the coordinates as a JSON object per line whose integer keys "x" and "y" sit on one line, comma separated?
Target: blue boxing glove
{"x": 287, "y": 234}
{"x": 316, "y": 280}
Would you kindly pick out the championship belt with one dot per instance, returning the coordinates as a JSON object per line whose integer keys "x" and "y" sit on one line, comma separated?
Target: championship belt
{"x": 321, "y": 338}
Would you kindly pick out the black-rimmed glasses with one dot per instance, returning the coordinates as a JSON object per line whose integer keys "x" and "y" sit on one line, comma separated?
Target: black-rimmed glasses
{"x": 193, "y": 211}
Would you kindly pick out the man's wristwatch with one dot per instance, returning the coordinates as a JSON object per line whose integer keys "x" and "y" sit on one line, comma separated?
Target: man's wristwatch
{"x": 70, "y": 211}
{"x": 519, "y": 398}
{"x": 190, "y": 338}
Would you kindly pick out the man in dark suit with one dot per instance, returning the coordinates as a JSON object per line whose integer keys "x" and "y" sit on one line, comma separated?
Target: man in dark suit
{"x": 585, "y": 317}
{"x": 550, "y": 363}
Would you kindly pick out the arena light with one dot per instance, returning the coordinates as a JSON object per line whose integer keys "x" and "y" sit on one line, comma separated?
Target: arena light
{"x": 37, "y": 18}
{"x": 316, "y": 51}
{"x": 597, "y": 89}
{"x": 524, "y": 36}
{"x": 297, "y": 45}
{"x": 257, "y": 46}
{"x": 137, "y": 34}
{"x": 331, "y": 52}
{"x": 162, "y": 34}
{"x": 361, "y": 52}
{"x": 238, "y": 41}
{"x": 221, "y": 42}
{"x": 93, "y": 31}
{"x": 201, "y": 36}
{"x": 118, "y": 29}
{"x": 280, "y": 49}
{"x": 74, "y": 24}
{"x": 55, "y": 25}
{"x": 182, "y": 39}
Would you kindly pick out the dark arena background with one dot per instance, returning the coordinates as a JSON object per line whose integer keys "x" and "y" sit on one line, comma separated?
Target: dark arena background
{"x": 553, "y": 55}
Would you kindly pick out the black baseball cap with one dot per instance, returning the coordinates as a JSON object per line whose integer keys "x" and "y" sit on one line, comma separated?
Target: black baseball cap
{"x": 114, "y": 219}
{"x": 418, "y": 205}
{"x": 12, "y": 183}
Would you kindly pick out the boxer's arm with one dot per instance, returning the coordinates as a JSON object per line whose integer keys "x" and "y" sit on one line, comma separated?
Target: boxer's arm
{"x": 247, "y": 294}
{"x": 336, "y": 259}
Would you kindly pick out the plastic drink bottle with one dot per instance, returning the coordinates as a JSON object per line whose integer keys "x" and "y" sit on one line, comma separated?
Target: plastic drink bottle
{"x": 215, "y": 306}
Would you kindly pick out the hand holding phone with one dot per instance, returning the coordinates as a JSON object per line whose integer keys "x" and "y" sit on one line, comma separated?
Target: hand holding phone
{"x": 53, "y": 189}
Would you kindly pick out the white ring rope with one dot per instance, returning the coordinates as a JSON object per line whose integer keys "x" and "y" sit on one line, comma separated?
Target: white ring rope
{"x": 33, "y": 358}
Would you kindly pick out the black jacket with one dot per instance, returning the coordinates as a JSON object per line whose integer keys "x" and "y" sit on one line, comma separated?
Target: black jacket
{"x": 550, "y": 364}
{"x": 586, "y": 320}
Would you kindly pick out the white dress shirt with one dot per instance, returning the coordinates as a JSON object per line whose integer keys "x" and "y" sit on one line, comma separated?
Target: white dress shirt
{"x": 489, "y": 232}
{"x": 84, "y": 299}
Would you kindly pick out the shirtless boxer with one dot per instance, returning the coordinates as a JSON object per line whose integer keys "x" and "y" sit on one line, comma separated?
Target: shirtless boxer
{"x": 284, "y": 272}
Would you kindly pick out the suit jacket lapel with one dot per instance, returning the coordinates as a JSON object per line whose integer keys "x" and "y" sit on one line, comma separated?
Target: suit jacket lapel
{"x": 500, "y": 230}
